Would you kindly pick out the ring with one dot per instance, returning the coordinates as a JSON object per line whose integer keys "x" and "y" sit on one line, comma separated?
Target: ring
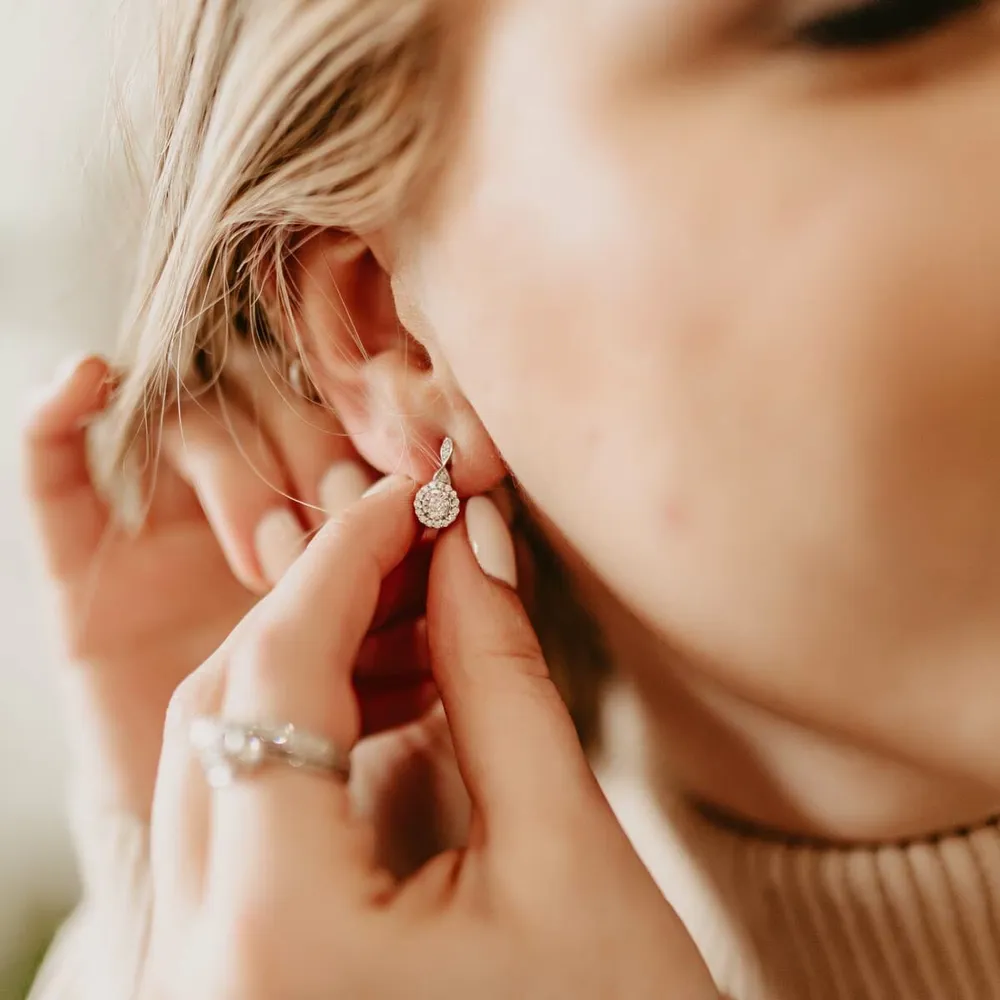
{"x": 228, "y": 750}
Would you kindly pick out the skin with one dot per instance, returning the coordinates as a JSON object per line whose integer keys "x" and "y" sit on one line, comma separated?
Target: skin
{"x": 744, "y": 289}
{"x": 140, "y": 611}
{"x": 725, "y": 308}
{"x": 487, "y": 917}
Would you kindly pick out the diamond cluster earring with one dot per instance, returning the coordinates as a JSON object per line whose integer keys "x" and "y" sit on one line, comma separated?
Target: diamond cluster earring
{"x": 437, "y": 504}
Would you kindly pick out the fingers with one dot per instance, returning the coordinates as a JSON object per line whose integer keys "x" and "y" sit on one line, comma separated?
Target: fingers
{"x": 71, "y": 517}
{"x": 268, "y": 468}
{"x": 514, "y": 739}
{"x": 324, "y": 471}
{"x": 293, "y": 662}
{"x": 297, "y": 658}
{"x": 242, "y": 487}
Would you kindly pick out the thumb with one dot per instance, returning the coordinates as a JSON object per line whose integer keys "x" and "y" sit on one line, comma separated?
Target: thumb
{"x": 70, "y": 515}
{"x": 514, "y": 739}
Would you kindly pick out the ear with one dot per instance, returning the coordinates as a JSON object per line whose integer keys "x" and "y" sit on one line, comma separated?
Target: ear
{"x": 395, "y": 402}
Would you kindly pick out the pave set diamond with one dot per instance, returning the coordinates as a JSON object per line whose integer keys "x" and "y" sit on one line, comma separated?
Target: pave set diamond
{"x": 437, "y": 504}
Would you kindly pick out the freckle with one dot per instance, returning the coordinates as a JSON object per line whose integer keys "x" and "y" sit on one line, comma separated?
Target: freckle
{"x": 674, "y": 513}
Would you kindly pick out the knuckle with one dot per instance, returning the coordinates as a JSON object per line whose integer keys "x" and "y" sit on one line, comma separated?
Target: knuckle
{"x": 335, "y": 533}
{"x": 265, "y": 650}
{"x": 527, "y": 656}
{"x": 260, "y": 645}
{"x": 520, "y": 655}
{"x": 196, "y": 695}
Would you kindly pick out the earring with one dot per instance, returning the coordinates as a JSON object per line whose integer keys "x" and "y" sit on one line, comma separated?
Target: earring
{"x": 437, "y": 504}
{"x": 297, "y": 377}
{"x": 300, "y": 382}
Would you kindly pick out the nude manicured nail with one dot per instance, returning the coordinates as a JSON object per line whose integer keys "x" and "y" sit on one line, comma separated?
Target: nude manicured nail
{"x": 279, "y": 541}
{"x": 491, "y": 540}
{"x": 343, "y": 485}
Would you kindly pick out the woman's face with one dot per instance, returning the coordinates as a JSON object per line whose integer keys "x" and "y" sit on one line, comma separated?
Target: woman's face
{"x": 721, "y": 283}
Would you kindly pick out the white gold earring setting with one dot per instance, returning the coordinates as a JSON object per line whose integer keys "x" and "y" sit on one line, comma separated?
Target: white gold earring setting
{"x": 437, "y": 504}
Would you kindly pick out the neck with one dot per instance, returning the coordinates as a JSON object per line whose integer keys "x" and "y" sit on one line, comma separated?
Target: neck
{"x": 751, "y": 763}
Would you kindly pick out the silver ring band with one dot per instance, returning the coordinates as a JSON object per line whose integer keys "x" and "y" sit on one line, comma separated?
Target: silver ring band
{"x": 228, "y": 749}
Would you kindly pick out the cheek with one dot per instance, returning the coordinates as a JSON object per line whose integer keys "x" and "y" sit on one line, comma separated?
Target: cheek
{"x": 530, "y": 281}
{"x": 538, "y": 293}
{"x": 761, "y": 396}
{"x": 844, "y": 376}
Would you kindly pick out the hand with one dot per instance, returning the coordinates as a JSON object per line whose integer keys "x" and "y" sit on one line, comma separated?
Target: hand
{"x": 271, "y": 887}
{"x": 139, "y": 611}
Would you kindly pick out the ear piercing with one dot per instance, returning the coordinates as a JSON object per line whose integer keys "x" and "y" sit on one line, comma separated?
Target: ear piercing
{"x": 437, "y": 504}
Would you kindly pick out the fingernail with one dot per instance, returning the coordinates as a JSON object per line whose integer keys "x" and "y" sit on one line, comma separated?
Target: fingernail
{"x": 279, "y": 541}
{"x": 344, "y": 484}
{"x": 386, "y": 483}
{"x": 491, "y": 540}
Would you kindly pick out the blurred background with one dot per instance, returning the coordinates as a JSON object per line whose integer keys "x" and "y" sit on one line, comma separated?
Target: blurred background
{"x": 66, "y": 218}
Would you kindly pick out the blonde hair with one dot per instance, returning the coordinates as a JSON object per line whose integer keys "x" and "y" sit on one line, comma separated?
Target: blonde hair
{"x": 276, "y": 118}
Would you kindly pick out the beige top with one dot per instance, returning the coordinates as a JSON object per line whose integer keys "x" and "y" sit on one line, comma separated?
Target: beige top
{"x": 99, "y": 953}
{"x": 782, "y": 921}
{"x": 775, "y": 921}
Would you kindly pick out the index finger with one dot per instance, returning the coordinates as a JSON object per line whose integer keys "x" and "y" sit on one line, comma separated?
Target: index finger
{"x": 70, "y": 515}
{"x": 295, "y": 662}
{"x": 294, "y": 665}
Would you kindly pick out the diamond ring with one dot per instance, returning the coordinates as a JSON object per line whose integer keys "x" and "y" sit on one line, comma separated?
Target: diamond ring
{"x": 228, "y": 749}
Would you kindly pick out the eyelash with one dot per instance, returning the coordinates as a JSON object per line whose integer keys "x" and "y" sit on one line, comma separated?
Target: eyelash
{"x": 876, "y": 24}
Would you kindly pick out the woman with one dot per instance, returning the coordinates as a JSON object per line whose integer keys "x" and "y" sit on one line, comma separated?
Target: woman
{"x": 714, "y": 283}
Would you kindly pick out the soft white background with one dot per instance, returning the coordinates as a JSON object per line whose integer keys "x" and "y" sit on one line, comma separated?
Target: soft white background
{"x": 64, "y": 212}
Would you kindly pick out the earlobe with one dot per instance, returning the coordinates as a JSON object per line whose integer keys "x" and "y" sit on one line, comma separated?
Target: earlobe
{"x": 396, "y": 405}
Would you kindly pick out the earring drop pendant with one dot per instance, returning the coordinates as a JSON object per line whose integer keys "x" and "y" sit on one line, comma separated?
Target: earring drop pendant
{"x": 437, "y": 504}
